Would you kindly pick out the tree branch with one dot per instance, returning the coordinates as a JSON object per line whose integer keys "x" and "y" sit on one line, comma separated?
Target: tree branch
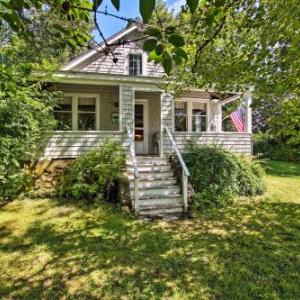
{"x": 210, "y": 39}
{"x": 206, "y": 42}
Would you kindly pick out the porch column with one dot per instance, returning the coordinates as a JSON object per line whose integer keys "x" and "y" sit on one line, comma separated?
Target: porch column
{"x": 216, "y": 115}
{"x": 126, "y": 94}
{"x": 167, "y": 108}
{"x": 248, "y": 112}
{"x": 126, "y": 106}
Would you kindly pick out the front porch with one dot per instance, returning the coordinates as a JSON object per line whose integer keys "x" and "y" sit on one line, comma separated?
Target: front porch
{"x": 92, "y": 113}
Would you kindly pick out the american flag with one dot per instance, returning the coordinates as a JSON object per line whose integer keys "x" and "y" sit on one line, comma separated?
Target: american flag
{"x": 237, "y": 119}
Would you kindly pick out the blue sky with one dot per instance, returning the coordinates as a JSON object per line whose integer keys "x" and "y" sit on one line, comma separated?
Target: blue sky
{"x": 128, "y": 8}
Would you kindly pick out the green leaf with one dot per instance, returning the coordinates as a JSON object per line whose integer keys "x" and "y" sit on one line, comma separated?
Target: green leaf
{"x": 153, "y": 56}
{"x": 180, "y": 52}
{"x": 116, "y": 4}
{"x": 170, "y": 30}
{"x": 11, "y": 20}
{"x": 146, "y": 9}
{"x": 153, "y": 31}
{"x": 150, "y": 44}
{"x": 73, "y": 44}
{"x": 177, "y": 59}
{"x": 167, "y": 62}
{"x": 159, "y": 48}
{"x": 176, "y": 40}
{"x": 17, "y": 4}
{"x": 192, "y": 4}
{"x": 96, "y": 4}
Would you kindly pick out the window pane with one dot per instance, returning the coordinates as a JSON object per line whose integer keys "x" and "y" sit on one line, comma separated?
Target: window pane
{"x": 63, "y": 114}
{"x": 180, "y": 116}
{"x": 139, "y": 115}
{"x": 63, "y": 120}
{"x": 87, "y": 121}
{"x": 199, "y": 117}
{"x": 86, "y": 113}
{"x": 86, "y": 104}
{"x": 139, "y": 135}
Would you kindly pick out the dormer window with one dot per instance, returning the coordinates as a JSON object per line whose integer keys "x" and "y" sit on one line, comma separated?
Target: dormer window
{"x": 135, "y": 64}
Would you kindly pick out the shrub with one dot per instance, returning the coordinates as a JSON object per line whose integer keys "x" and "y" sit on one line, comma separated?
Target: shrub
{"x": 217, "y": 175}
{"x": 24, "y": 117}
{"x": 95, "y": 175}
{"x": 268, "y": 146}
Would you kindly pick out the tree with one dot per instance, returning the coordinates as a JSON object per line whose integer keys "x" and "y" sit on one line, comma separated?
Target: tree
{"x": 25, "y": 107}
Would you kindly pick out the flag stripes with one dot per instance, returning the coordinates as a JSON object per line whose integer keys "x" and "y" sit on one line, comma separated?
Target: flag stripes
{"x": 237, "y": 119}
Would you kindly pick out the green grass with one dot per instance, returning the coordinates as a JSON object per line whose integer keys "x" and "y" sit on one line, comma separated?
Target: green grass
{"x": 50, "y": 250}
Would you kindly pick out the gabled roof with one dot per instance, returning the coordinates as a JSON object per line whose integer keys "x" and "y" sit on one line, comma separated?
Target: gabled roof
{"x": 88, "y": 55}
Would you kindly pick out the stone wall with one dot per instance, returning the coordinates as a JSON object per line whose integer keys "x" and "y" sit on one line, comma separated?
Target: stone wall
{"x": 46, "y": 174}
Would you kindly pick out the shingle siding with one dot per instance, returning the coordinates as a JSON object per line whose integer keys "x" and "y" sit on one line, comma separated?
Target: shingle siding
{"x": 104, "y": 63}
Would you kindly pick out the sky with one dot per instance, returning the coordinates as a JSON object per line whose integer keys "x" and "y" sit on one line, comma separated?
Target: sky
{"x": 128, "y": 8}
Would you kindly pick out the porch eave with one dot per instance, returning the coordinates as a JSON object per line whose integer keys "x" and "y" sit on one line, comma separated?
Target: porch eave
{"x": 76, "y": 77}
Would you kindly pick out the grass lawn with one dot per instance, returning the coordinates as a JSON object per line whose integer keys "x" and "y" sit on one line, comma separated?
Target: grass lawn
{"x": 50, "y": 250}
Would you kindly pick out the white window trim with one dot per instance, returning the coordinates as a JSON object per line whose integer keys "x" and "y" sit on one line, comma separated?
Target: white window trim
{"x": 144, "y": 61}
{"x": 190, "y": 102}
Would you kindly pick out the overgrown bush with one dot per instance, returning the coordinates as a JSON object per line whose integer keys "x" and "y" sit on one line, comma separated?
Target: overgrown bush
{"x": 97, "y": 174}
{"x": 217, "y": 175}
{"x": 271, "y": 147}
{"x": 25, "y": 114}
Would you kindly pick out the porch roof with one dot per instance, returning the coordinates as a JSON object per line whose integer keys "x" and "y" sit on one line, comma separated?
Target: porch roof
{"x": 146, "y": 83}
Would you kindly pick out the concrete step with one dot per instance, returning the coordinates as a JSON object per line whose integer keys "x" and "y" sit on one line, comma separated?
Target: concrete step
{"x": 157, "y": 192}
{"x": 154, "y": 168}
{"x": 156, "y": 183}
{"x": 153, "y": 164}
{"x": 171, "y": 200}
{"x": 150, "y": 159}
{"x": 154, "y": 210}
{"x": 152, "y": 176}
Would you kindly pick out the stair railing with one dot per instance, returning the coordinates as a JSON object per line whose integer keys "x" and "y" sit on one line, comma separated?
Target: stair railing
{"x": 185, "y": 171}
{"x": 135, "y": 168}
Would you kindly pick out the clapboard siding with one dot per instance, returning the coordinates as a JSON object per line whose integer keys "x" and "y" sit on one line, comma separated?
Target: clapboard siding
{"x": 240, "y": 143}
{"x": 104, "y": 63}
{"x": 167, "y": 119}
{"x": 72, "y": 144}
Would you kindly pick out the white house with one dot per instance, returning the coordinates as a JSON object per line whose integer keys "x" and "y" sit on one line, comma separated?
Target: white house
{"x": 123, "y": 101}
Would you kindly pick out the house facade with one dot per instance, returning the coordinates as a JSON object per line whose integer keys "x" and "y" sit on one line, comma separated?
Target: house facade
{"x": 123, "y": 101}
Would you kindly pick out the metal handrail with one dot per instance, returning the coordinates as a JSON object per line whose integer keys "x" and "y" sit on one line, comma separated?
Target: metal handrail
{"x": 185, "y": 171}
{"x": 183, "y": 165}
{"x": 135, "y": 169}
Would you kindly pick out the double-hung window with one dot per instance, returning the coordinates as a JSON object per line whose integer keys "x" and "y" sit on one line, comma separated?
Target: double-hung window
{"x": 190, "y": 116}
{"x": 85, "y": 112}
{"x": 135, "y": 64}
{"x": 78, "y": 112}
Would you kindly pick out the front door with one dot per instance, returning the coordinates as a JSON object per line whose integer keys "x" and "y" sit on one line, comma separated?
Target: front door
{"x": 141, "y": 127}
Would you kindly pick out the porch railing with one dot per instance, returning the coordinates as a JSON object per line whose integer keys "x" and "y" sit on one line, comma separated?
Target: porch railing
{"x": 135, "y": 168}
{"x": 185, "y": 171}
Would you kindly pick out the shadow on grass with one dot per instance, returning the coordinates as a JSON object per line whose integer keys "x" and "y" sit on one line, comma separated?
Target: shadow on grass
{"x": 283, "y": 169}
{"x": 242, "y": 252}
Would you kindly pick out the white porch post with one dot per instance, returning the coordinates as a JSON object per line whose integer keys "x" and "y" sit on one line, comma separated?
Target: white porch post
{"x": 166, "y": 119}
{"x": 216, "y": 115}
{"x": 248, "y": 112}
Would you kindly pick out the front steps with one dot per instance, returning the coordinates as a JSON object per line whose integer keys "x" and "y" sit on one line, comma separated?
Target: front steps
{"x": 159, "y": 193}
